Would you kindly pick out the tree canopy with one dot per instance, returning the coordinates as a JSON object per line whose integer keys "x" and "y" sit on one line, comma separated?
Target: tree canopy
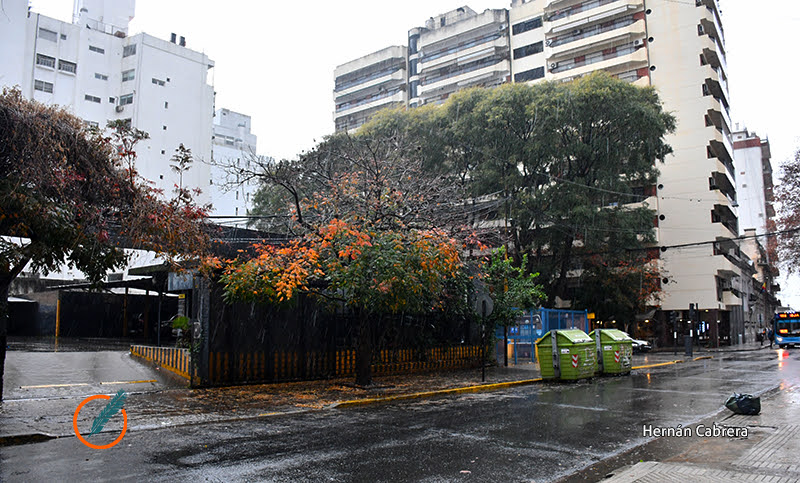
{"x": 70, "y": 194}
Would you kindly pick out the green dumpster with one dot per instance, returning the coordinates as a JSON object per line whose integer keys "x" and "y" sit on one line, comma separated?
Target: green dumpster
{"x": 614, "y": 350}
{"x": 571, "y": 357}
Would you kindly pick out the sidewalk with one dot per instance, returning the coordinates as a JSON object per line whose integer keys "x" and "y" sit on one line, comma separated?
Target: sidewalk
{"x": 769, "y": 452}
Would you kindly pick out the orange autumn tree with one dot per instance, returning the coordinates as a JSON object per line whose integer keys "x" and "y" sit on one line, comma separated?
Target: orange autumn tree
{"x": 378, "y": 236}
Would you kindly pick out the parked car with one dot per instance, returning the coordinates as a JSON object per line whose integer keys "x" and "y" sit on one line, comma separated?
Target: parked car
{"x": 641, "y": 346}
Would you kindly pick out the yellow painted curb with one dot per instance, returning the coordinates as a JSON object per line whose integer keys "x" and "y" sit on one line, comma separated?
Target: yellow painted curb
{"x": 420, "y": 395}
{"x": 702, "y": 357}
{"x": 657, "y": 365}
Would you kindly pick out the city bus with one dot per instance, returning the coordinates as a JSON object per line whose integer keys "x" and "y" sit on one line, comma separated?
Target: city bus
{"x": 786, "y": 327}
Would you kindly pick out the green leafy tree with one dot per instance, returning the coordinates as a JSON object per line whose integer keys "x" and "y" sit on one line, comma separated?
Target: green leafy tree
{"x": 512, "y": 289}
{"x": 555, "y": 170}
{"x": 70, "y": 195}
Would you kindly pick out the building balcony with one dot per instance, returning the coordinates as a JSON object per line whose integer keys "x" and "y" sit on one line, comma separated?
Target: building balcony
{"x": 714, "y": 54}
{"x": 718, "y": 115}
{"x": 366, "y": 104}
{"x": 614, "y": 65}
{"x": 485, "y": 49}
{"x": 717, "y": 88}
{"x": 721, "y": 147}
{"x": 712, "y": 15}
{"x": 723, "y": 213}
{"x": 720, "y": 181}
{"x": 499, "y": 69}
{"x": 587, "y": 13}
{"x": 388, "y": 80}
{"x": 592, "y": 41}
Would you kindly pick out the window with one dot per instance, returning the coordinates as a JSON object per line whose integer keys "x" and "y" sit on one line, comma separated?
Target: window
{"x": 126, "y": 99}
{"x": 91, "y": 98}
{"x": 48, "y": 35}
{"x": 158, "y": 82}
{"x": 166, "y": 105}
{"x": 128, "y": 75}
{"x": 63, "y": 36}
{"x": 163, "y": 152}
{"x": 164, "y": 128}
{"x": 43, "y": 86}
{"x": 91, "y": 123}
{"x": 527, "y": 75}
{"x": 129, "y": 50}
{"x": 531, "y": 24}
{"x": 45, "y": 61}
{"x": 100, "y": 76}
{"x": 65, "y": 66}
{"x": 528, "y": 50}
{"x": 99, "y": 50}
{"x": 112, "y": 100}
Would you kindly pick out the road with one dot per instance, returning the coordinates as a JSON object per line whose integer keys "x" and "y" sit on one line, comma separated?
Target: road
{"x": 531, "y": 433}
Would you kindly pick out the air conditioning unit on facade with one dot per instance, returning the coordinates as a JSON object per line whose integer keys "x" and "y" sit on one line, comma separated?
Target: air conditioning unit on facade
{"x": 548, "y": 42}
{"x": 119, "y": 108}
{"x": 637, "y": 42}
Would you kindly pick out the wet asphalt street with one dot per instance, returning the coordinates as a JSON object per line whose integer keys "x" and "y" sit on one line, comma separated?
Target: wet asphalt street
{"x": 531, "y": 433}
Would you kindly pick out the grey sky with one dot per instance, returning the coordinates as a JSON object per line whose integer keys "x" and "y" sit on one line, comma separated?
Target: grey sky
{"x": 275, "y": 60}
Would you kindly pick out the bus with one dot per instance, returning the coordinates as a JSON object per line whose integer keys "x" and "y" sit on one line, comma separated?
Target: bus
{"x": 786, "y": 327}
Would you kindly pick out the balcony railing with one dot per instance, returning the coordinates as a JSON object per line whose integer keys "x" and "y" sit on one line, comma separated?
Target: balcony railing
{"x": 575, "y": 9}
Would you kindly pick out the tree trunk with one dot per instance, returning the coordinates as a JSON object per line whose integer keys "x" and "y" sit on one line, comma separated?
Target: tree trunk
{"x": 364, "y": 351}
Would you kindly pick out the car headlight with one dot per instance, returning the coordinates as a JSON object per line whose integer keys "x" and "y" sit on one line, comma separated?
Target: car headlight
{"x": 779, "y": 339}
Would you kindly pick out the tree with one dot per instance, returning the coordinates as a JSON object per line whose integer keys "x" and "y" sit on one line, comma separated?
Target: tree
{"x": 788, "y": 222}
{"x": 512, "y": 289}
{"x": 378, "y": 234}
{"x": 561, "y": 168}
{"x": 70, "y": 195}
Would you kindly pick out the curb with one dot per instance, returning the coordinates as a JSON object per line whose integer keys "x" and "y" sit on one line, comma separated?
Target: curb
{"x": 657, "y": 364}
{"x": 442, "y": 392}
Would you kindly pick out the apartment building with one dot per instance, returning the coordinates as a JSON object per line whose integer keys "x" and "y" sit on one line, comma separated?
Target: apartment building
{"x": 456, "y": 50}
{"x": 94, "y": 68}
{"x": 677, "y": 47}
{"x": 366, "y": 85}
{"x": 233, "y": 145}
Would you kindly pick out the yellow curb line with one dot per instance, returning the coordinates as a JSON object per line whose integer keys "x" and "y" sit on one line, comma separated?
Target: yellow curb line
{"x": 657, "y": 365}
{"x": 85, "y": 384}
{"x": 420, "y": 395}
{"x": 702, "y": 357}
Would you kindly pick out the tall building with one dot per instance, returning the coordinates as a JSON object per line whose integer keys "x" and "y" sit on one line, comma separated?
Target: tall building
{"x": 234, "y": 145}
{"x": 94, "y": 68}
{"x": 677, "y": 47}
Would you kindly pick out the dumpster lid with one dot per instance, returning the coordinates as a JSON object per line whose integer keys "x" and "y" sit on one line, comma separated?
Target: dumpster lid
{"x": 575, "y": 336}
{"x": 613, "y": 334}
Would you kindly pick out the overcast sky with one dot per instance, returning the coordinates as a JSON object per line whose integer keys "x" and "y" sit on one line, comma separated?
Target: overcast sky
{"x": 275, "y": 59}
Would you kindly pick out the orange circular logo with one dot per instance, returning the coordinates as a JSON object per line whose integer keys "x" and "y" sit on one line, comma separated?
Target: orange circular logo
{"x": 78, "y": 433}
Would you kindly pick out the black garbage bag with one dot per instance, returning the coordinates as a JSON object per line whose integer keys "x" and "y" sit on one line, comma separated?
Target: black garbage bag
{"x": 744, "y": 404}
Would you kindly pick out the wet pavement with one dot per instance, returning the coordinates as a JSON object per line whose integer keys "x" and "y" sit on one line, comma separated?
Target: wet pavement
{"x": 539, "y": 432}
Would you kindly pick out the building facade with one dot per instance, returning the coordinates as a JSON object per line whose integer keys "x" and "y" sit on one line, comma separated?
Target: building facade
{"x": 233, "y": 145}
{"x": 94, "y": 68}
{"x": 677, "y": 47}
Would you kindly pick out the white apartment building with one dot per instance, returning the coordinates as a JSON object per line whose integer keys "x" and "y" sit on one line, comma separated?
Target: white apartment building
{"x": 95, "y": 69}
{"x": 366, "y": 85}
{"x": 753, "y": 182}
{"x": 677, "y": 47}
{"x": 456, "y": 50}
{"x": 233, "y": 145}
